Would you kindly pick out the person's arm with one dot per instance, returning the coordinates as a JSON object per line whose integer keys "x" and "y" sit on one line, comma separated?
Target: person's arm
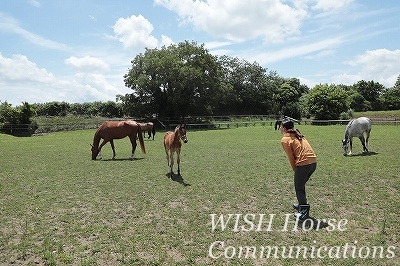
{"x": 289, "y": 152}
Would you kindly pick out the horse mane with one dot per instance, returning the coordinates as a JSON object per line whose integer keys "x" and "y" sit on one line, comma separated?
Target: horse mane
{"x": 347, "y": 133}
{"x": 97, "y": 137}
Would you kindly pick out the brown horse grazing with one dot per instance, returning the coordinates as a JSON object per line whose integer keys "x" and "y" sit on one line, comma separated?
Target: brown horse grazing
{"x": 149, "y": 127}
{"x": 111, "y": 130}
{"x": 172, "y": 143}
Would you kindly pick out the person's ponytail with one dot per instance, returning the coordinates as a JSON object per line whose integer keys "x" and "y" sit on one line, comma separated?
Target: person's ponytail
{"x": 297, "y": 133}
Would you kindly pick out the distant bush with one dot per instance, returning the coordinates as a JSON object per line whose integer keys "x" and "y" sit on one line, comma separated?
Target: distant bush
{"x": 17, "y": 121}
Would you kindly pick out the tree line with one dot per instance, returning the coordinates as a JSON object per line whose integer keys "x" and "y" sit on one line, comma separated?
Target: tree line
{"x": 184, "y": 79}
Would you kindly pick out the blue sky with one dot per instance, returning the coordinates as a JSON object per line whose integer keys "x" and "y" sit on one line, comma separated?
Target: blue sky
{"x": 78, "y": 51}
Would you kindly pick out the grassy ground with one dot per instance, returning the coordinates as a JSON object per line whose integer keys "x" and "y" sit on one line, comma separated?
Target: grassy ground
{"x": 58, "y": 207}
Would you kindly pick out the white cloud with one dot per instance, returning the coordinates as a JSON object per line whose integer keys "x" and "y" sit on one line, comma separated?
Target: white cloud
{"x": 331, "y": 5}
{"x": 380, "y": 65}
{"x": 135, "y": 32}
{"x": 34, "y": 3}
{"x": 19, "y": 69}
{"x": 237, "y": 20}
{"x": 9, "y": 24}
{"x": 22, "y": 80}
{"x": 166, "y": 41}
{"x": 87, "y": 64}
{"x": 265, "y": 58}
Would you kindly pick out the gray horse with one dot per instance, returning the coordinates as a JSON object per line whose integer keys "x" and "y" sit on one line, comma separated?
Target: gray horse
{"x": 359, "y": 127}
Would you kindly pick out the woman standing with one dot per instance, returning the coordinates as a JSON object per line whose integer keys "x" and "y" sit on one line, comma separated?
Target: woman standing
{"x": 303, "y": 161}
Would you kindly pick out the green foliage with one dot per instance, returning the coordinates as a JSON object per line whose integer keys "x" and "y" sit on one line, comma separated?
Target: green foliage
{"x": 288, "y": 98}
{"x": 177, "y": 80}
{"x": 17, "y": 121}
{"x": 104, "y": 109}
{"x": 326, "y": 102}
{"x": 371, "y": 92}
{"x": 391, "y": 97}
{"x": 249, "y": 87}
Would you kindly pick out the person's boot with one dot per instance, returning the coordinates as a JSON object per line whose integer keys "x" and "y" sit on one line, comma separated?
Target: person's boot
{"x": 304, "y": 211}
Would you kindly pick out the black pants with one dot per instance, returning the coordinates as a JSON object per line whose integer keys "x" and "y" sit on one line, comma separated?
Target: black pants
{"x": 301, "y": 176}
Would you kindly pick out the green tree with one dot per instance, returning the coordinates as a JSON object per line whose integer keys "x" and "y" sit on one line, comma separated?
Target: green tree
{"x": 391, "y": 97}
{"x": 8, "y": 114}
{"x": 110, "y": 109}
{"x": 326, "y": 102}
{"x": 16, "y": 120}
{"x": 371, "y": 92}
{"x": 248, "y": 88}
{"x": 288, "y": 97}
{"x": 176, "y": 81}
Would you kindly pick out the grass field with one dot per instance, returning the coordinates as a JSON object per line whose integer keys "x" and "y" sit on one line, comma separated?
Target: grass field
{"x": 58, "y": 207}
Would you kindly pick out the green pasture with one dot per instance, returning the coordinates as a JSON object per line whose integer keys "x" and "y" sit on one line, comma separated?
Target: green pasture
{"x": 58, "y": 207}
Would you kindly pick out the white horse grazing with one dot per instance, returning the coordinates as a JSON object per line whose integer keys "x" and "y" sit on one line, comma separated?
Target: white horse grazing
{"x": 359, "y": 127}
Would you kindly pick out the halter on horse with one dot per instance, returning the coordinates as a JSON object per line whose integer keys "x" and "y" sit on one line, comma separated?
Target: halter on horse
{"x": 111, "y": 130}
{"x": 172, "y": 143}
{"x": 149, "y": 127}
{"x": 359, "y": 127}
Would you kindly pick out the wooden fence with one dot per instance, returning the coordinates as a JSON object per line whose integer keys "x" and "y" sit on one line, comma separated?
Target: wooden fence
{"x": 194, "y": 123}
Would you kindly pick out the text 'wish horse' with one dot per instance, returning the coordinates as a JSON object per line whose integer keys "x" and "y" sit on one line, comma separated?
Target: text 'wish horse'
{"x": 172, "y": 143}
{"x": 359, "y": 127}
{"x": 111, "y": 130}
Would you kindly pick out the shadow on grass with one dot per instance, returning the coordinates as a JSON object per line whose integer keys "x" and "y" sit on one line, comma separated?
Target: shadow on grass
{"x": 178, "y": 178}
{"x": 312, "y": 223}
{"x": 370, "y": 153}
{"x": 121, "y": 159}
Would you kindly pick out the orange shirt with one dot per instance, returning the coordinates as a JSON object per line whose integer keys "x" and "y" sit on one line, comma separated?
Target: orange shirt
{"x": 299, "y": 152}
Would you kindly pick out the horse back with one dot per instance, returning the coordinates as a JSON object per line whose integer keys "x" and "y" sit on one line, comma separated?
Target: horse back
{"x": 358, "y": 127}
{"x": 118, "y": 129}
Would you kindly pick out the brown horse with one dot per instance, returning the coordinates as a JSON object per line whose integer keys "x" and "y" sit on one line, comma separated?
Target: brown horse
{"x": 172, "y": 143}
{"x": 111, "y": 130}
{"x": 149, "y": 127}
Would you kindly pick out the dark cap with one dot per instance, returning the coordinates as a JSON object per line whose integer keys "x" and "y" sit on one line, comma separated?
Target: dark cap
{"x": 287, "y": 123}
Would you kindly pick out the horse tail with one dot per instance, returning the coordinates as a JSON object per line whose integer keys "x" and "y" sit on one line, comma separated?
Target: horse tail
{"x": 140, "y": 136}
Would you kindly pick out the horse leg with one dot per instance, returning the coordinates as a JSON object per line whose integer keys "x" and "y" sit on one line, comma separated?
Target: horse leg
{"x": 171, "y": 163}
{"x": 351, "y": 145}
{"x": 366, "y": 139}
{"x": 101, "y": 146}
{"x": 178, "y": 160}
{"x": 362, "y": 139}
{"x": 113, "y": 148}
{"x": 167, "y": 156}
{"x": 133, "y": 141}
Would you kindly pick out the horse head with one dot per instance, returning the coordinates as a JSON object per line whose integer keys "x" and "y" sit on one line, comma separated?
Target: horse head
{"x": 95, "y": 152}
{"x": 182, "y": 133}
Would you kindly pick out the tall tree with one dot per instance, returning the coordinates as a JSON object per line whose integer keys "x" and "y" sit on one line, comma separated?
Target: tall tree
{"x": 391, "y": 97}
{"x": 288, "y": 97}
{"x": 326, "y": 102}
{"x": 250, "y": 89}
{"x": 175, "y": 81}
{"x": 371, "y": 91}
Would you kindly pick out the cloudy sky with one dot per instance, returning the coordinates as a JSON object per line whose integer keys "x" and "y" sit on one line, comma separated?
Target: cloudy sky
{"x": 78, "y": 51}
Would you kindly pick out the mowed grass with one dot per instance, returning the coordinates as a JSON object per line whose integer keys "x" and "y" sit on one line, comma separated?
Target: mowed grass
{"x": 58, "y": 207}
